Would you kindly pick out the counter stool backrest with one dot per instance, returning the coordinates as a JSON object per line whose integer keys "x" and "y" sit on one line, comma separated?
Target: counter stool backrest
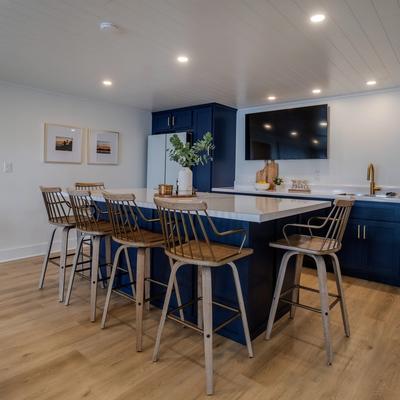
{"x": 184, "y": 229}
{"x": 89, "y": 186}
{"x": 125, "y": 216}
{"x": 334, "y": 225}
{"x": 85, "y": 210}
{"x": 57, "y": 207}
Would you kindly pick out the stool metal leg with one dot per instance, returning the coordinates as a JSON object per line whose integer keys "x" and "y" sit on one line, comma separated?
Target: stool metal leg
{"x": 177, "y": 294}
{"x": 94, "y": 277}
{"x": 140, "y": 266}
{"x": 107, "y": 240}
{"x": 63, "y": 263}
{"x": 296, "y": 292}
{"x": 278, "y": 289}
{"x": 167, "y": 300}
{"x": 199, "y": 303}
{"x": 339, "y": 285}
{"x": 111, "y": 284}
{"x": 74, "y": 267}
{"x": 208, "y": 327}
{"x": 130, "y": 272}
{"x": 323, "y": 293}
{"x": 242, "y": 308}
{"x": 147, "y": 273}
{"x": 46, "y": 258}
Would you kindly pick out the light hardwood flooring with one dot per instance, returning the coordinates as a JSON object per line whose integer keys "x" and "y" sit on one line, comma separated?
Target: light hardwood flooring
{"x": 49, "y": 351}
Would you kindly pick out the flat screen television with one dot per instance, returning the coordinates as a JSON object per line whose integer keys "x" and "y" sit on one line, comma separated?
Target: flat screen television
{"x": 291, "y": 134}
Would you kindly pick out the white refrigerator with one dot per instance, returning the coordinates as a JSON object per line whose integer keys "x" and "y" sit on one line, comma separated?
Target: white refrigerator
{"x": 159, "y": 167}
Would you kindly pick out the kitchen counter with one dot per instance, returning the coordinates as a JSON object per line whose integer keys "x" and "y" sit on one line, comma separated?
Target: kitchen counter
{"x": 328, "y": 194}
{"x": 235, "y": 207}
{"x": 263, "y": 219}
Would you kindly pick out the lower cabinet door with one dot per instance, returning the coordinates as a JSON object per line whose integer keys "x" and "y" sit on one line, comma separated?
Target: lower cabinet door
{"x": 353, "y": 255}
{"x": 382, "y": 241}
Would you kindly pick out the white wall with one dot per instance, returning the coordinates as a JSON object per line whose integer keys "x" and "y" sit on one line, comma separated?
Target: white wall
{"x": 363, "y": 128}
{"x": 23, "y": 111}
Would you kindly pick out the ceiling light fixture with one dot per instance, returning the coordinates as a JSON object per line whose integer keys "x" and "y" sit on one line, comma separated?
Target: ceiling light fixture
{"x": 317, "y": 18}
{"x": 316, "y": 91}
{"x": 107, "y": 82}
{"x": 268, "y": 126}
{"x": 182, "y": 59}
{"x": 271, "y": 98}
{"x": 371, "y": 82}
{"x": 293, "y": 133}
{"x": 106, "y": 26}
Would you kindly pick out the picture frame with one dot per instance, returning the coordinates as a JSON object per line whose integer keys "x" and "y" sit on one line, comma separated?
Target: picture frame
{"x": 102, "y": 147}
{"x": 63, "y": 144}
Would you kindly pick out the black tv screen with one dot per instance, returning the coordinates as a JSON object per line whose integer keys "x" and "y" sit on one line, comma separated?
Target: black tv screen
{"x": 291, "y": 134}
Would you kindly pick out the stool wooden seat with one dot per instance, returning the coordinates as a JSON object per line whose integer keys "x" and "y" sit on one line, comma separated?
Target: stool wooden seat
{"x": 89, "y": 224}
{"x": 331, "y": 230}
{"x": 187, "y": 242}
{"x": 125, "y": 217}
{"x": 59, "y": 216}
{"x": 89, "y": 186}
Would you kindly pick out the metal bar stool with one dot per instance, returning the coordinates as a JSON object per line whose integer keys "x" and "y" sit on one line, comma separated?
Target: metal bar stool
{"x": 187, "y": 242}
{"x": 93, "y": 186}
{"x": 58, "y": 212}
{"x": 88, "y": 224}
{"x": 125, "y": 216}
{"x": 316, "y": 247}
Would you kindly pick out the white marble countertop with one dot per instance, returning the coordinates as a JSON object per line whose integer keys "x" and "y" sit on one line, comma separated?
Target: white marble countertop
{"x": 236, "y": 207}
{"x": 328, "y": 194}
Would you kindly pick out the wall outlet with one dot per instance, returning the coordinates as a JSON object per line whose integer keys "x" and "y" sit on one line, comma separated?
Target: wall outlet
{"x": 7, "y": 167}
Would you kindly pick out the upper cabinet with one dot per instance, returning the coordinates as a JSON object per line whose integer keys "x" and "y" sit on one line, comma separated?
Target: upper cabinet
{"x": 172, "y": 121}
{"x": 216, "y": 118}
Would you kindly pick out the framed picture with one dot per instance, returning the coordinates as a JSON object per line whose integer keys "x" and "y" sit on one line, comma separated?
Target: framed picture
{"x": 102, "y": 147}
{"x": 62, "y": 144}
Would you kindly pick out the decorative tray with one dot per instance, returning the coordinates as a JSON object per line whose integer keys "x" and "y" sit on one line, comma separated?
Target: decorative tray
{"x": 299, "y": 191}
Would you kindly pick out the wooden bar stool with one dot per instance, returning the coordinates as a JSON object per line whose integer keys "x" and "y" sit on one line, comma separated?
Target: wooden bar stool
{"x": 88, "y": 224}
{"x": 89, "y": 186}
{"x": 125, "y": 216}
{"x": 59, "y": 216}
{"x": 187, "y": 242}
{"x": 328, "y": 243}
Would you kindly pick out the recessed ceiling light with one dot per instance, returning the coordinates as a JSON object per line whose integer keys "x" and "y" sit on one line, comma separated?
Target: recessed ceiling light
{"x": 73, "y": 130}
{"x": 106, "y": 26}
{"x": 371, "y": 82}
{"x": 323, "y": 123}
{"x": 317, "y": 18}
{"x": 316, "y": 91}
{"x": 271, "y": 98}
{"x": 182, "y": 59}
{"x": 293, "y": 133}
{"x": 107, "y": 82}
{"x": 268, "y": 126}
{"x": 315, "y": 141}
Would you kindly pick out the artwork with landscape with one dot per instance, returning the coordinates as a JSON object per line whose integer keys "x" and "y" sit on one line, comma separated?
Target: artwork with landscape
{"x": 64, "y": 143}
{"x": 103, "y": 147}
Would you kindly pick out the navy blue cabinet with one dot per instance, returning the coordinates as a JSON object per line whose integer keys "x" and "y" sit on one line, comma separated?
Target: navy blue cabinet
{"x": 216, "y": 118}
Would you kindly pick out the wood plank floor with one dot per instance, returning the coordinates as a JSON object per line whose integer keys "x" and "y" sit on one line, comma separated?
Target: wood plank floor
{"x": 49, "y": 351}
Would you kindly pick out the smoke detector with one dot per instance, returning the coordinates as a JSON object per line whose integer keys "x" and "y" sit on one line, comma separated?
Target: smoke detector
{"x": 106, "y": 26}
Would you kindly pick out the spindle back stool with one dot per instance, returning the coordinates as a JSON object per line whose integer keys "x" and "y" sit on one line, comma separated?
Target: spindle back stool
{"x": 126, "y": 218}
{"x": 59, "y": 216}
{"x": 184, "y": 224}
{"x": 328, "y": 243}
{"x": 89, "y": 224}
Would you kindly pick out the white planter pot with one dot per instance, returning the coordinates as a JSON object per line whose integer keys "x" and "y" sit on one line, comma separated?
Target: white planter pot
{"x": 185, "y": 181}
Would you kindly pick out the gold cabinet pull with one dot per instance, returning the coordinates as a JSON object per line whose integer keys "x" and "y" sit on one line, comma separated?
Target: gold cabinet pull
{"x": 169, "y": 122}
{"x": 364, "y": 232}
{"x": 173, "y": 120}
{"x": 358, "y": 231}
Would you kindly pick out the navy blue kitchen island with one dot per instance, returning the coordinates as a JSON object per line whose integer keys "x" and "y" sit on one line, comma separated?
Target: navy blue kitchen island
{"x": 263, "y": 219}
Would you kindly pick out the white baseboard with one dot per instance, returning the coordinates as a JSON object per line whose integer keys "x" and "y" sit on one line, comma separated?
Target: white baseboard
{"x": 17, "y": 253}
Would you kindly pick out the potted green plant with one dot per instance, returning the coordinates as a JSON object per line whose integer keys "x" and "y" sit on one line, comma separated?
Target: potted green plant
{"x": 188, "y": 156}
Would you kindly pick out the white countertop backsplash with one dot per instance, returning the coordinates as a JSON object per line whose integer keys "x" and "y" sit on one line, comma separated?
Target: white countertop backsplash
{"x": 329, "y": 191}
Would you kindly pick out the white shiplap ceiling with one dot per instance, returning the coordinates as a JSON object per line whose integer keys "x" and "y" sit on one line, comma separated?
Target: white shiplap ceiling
{"x": 240, "y": 50}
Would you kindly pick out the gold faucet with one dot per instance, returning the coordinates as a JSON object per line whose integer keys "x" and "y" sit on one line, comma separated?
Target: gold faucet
{"x": 373, "y": 188}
